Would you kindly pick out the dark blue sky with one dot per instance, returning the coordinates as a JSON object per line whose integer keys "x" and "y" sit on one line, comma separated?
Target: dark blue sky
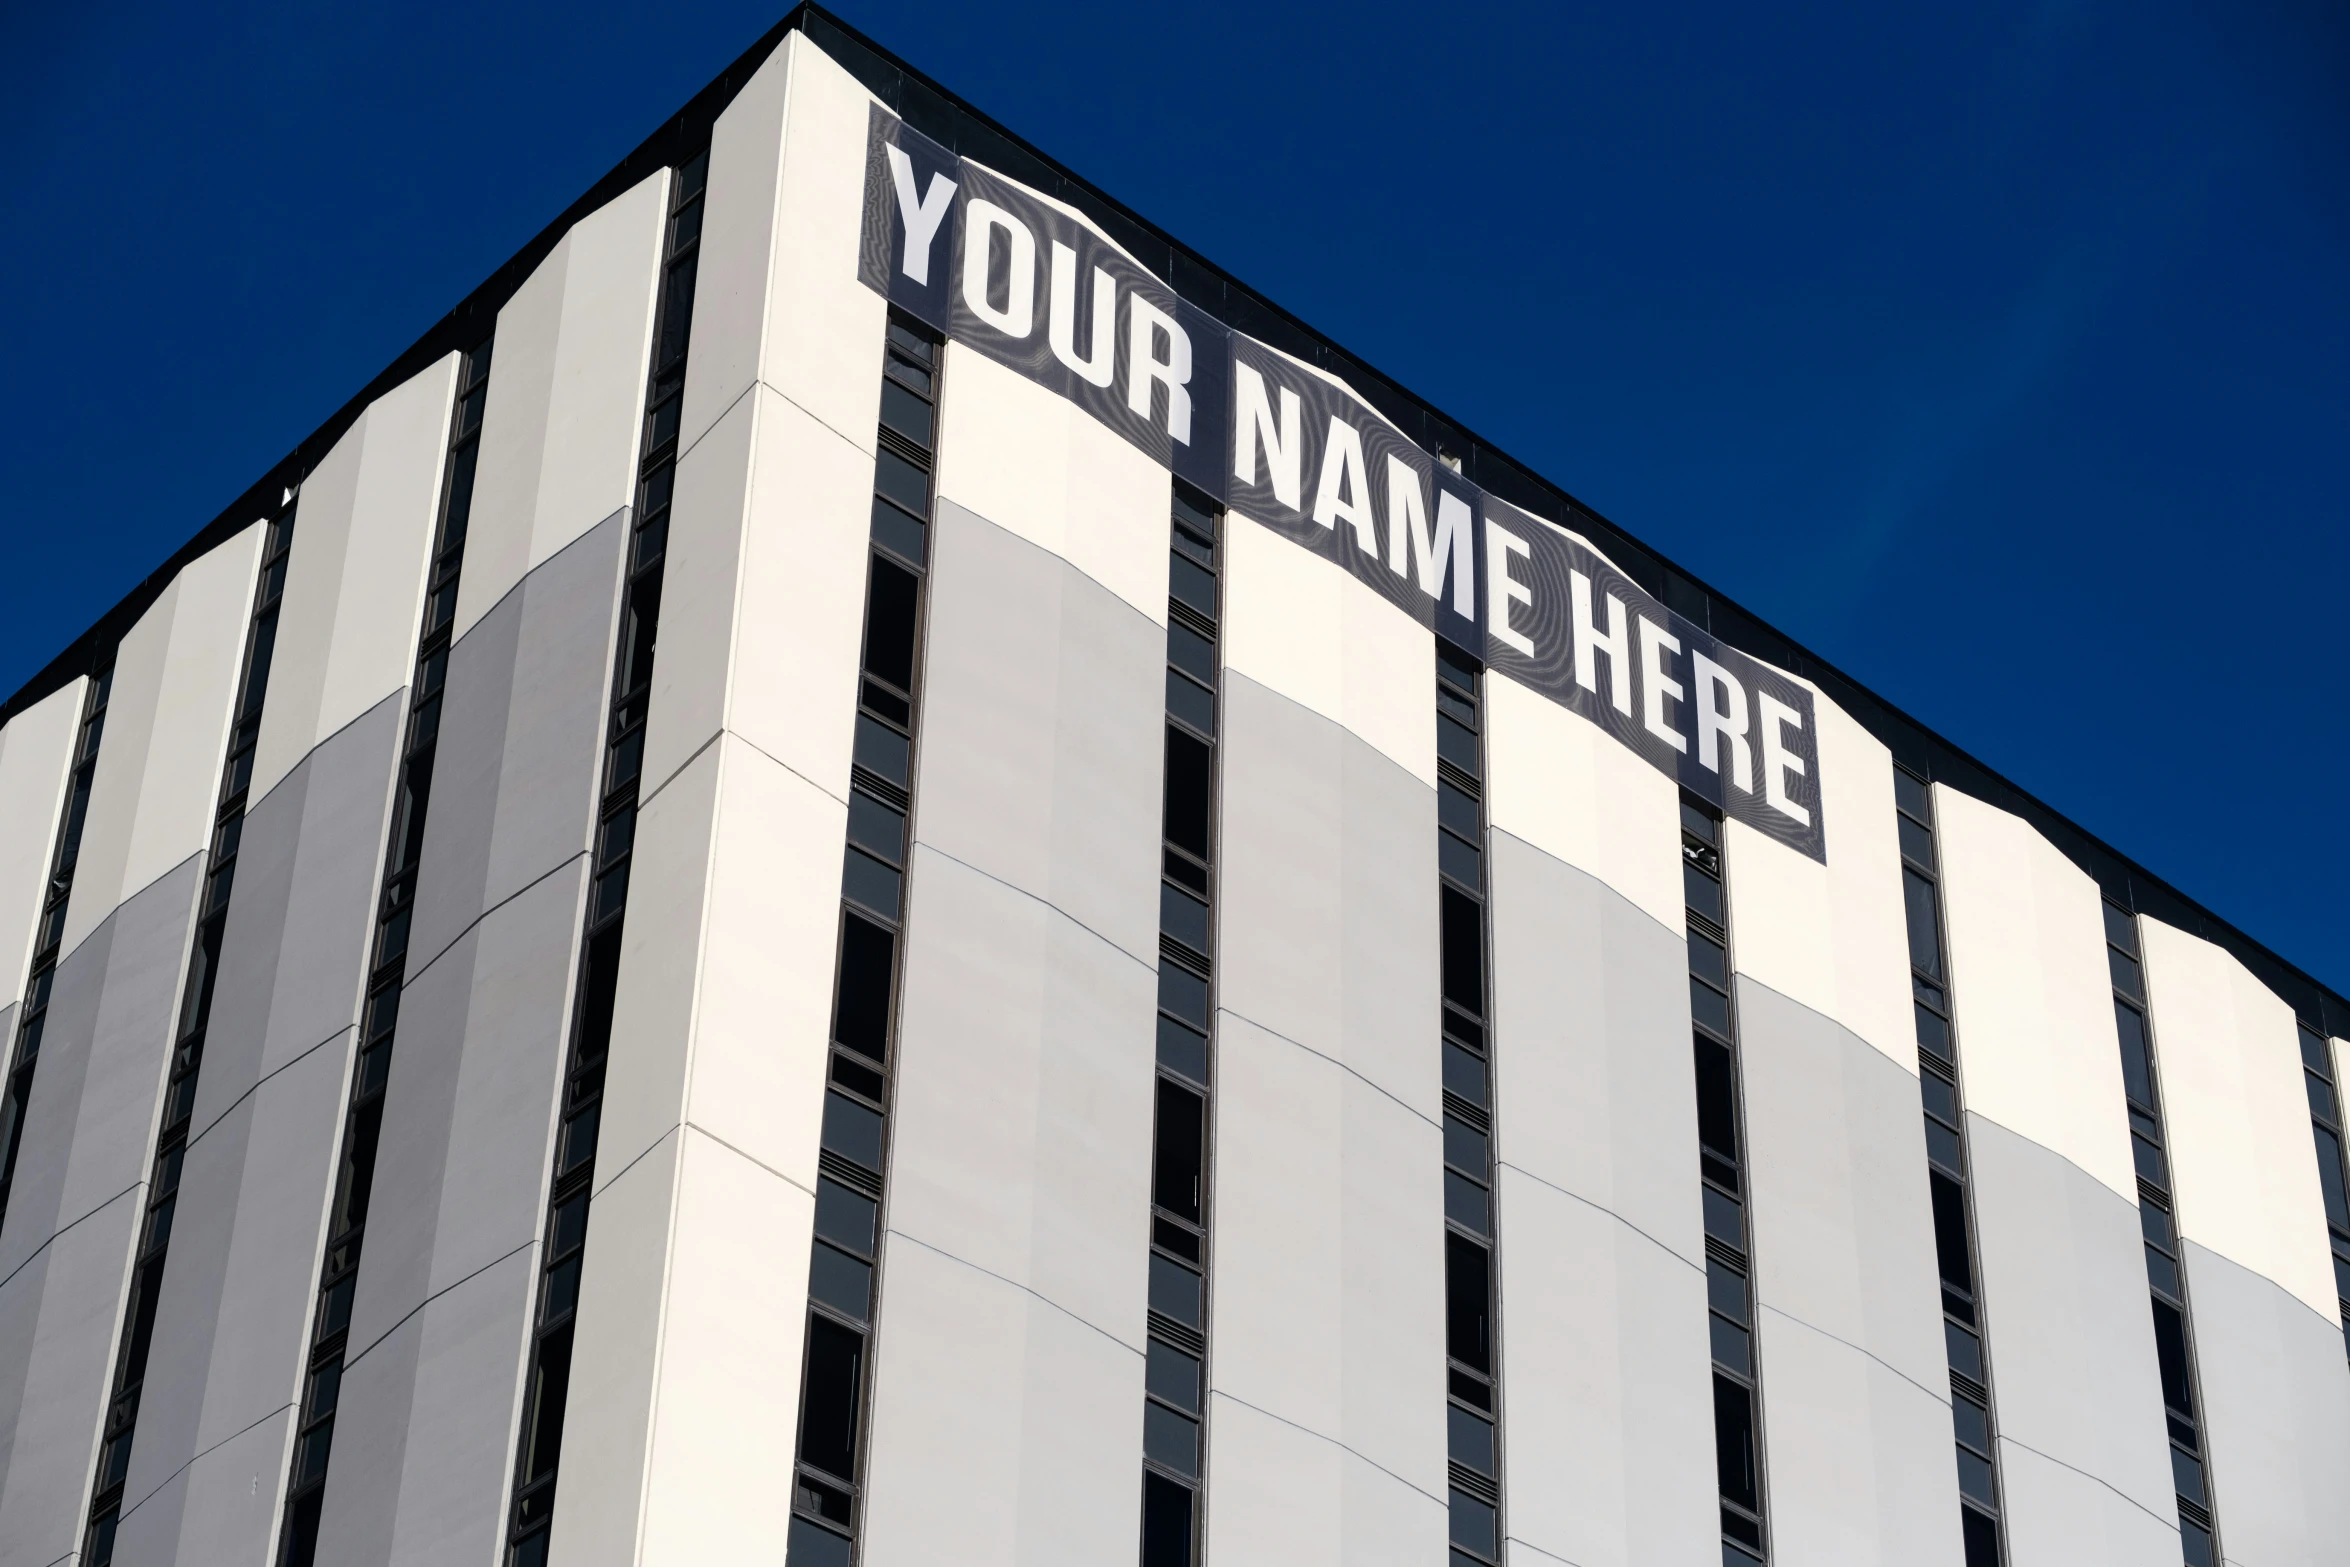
{"x": 2003, "y": 358}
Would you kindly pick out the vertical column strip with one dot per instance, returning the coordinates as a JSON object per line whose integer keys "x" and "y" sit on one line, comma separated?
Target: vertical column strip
{"x": 2325, "y": 1124}
{"x": 837, "y": 1364}
{"x": 1729, "y": 1268}
{"x": 346, "y": 1229}
{"x": 1974, "y": 1428}
{"x": 2174, "y": 1333}
{"x": 187, "y": 1057}
{"x": 1476, "y": 1524}
{"x": 1174, "y": 1375}
{"x": 51, "y": 935}
{"x": 564, "y": 1239}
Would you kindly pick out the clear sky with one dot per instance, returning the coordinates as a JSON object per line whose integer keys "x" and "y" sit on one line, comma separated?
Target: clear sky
{"x": 2001, "y": 357}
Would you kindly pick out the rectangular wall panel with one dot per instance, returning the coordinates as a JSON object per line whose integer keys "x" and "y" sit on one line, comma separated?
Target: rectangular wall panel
{"x": 683, "y": 1387}
{"x": 89, "y": 1127}
{"x": 424, "y": 1441}
{"x": 1015, "y": 1265}
{"x": 36, "y": 758}
{"x": 1607, "y": 1399}
{"x": 2259, "y": 1266}
{"x": 2082, "y": 1444}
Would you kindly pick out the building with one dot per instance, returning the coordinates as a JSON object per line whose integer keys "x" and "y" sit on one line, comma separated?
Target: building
{"x": 1173, "y": 960}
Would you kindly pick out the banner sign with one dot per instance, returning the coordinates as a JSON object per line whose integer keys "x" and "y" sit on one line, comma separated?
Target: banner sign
{"x": 1012, "y": 274}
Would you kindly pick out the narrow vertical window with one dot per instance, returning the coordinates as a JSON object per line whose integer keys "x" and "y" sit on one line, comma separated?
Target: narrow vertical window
{"x": 49, "y": 935}
{"x": 852, "y": 1157}
{"x": 1174, "y": 1454}
{"x": 1471, "y": 1281}
{"x": 1974, "y": 1427}
{"x": 581, "y": 1111}
{"x": 187, "y": 1055}
{"x": 1721, "y": 1163}
{"x": 2325, "y": 1122}
{"x": 2174, "y": 1337}
{"x": 354, "y": 1182}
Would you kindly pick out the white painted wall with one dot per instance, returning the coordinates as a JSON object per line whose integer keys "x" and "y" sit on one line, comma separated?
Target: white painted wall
{"x": 346, "y": 637}
{"x": 36, "y": 759}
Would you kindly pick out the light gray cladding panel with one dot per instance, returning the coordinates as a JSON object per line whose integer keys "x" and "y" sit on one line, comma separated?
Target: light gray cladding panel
{"x": 1605, "y": 1387}
{"x": 1041, "y": 729}
{"x": 1856, "y": 1400}
{"x": 1328, "y": 1357}
{"x": 253, "y": 1193}
{"x": 2083, "y": 1453}
{"x": 2276, "y": 1413}
{"x": 1019, "y": 1189}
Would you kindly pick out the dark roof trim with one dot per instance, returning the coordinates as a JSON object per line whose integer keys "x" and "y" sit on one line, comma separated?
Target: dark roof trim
{"x": 945, "y": 118}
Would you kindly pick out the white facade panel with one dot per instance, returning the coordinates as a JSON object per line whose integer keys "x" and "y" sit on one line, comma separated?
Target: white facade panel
{"x": 2033, "y": 996}
{"x": 559, "y": 436}
{"x": 346, "y": 635}
{"x": 36, "y": 760}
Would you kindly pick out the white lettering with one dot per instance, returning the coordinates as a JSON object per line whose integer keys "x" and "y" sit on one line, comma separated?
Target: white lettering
{"x": 1407, "y": 534}
{"x": 922, "y": 217}
{"x": 1061, "y": 325}
{"x": 1656, "y": 687}
{"x": 1589, "y": 642}
{"x": 1778, "y": 761}
{"x": 1345, "y": 489}
{"x": 1144, "y": 366}
{"x": 982, "y": 221}
{"x": 1504, "y": 589}
{"x": 1252, "y": 420}
{"x": 1721, "y": 714}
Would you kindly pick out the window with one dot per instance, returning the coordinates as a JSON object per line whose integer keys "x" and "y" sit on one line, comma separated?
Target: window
{"x": 1173, "y": 1455}
{"x": 1721, "y": 1169}
{"x": 853, "y": 1157}
{"x": 1981, "y": 1527}
{"x": 1471, "y": 1285}
{"x": 187, "y": 1055}
{"x": 2325, "y": 1123}
{"x": 561, "y": 1253}
{"x": 2174, "y": 1343}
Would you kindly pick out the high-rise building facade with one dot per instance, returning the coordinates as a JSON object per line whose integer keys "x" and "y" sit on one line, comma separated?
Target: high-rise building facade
{"x": 870, "y": 871}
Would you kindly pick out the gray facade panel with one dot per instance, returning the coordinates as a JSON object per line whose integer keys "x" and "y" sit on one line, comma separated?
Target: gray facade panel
{"x": 2277, "y": 1414}
{"x": 1606, "y": 1395}
{"x": 2071, "y": 1339}
{"x": 1855, "y": 1382}
{"x": 423, "y": 1444}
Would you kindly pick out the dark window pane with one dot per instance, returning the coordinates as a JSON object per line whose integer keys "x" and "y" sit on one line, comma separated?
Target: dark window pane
{"x": 813, "y": 1545}
{"x": 2314, "y": 1054}
{"x": 845, "y": 1217}
{"x": 1700, "y": 824}
{"x": 1468, "y": 1303}
{"x": 1708, "y": 961}
{"x": 860, "y": 1018}
{"x": 1192, "y": 585}
{"x": 882, "y": 750}
{"x": 1709, "y": 1006}
{"x": 852, "y": 1131}
{"x": 1174, "y": 1239}
{"x": 1725, "y": 1290}
{"x": 1701, "y": 892}
{"x": 1464, "y": 1147}
{"x": 1459, "y": 860}
{"x": 2137, "y": 1063}
{"x": 866, "y": 880}
{"x": 1172, "y": 1375}
{"x": 1174, "y": 1291}
{"x": 1171, "y": 1439}
{"x": 1457, "y": 811}
{"x": 2155, "y": 1223}
{"x": 2187, "y": 1474}
{"x": 855, "y": 1076}
{"x": 1190, "y": 771}
{"x": 1192, "y": 653}
{"x": 1183, "y": 917}
{"x": 2329, "y": 1175}
{"x": 2125, "y": 974}
{"x": 2121, "y": 929}
{"x": 1730, "y": 1345}
{"x": 1469, "y": 1439}
{"x": 1191, "y": 702}
{"x": 1982, "y": 1538}
{"x": 1181, "y": 1050}
{"x": 890, "y": 595}
{"x": 549, "y": 1384}
{"x": 828, "y": 1408}
{"x": 1970, "y": 1422}
{"x": 840, "y": 1281}
{"x": 1464, "y": 1074}
{"x": 1175, "y": 1161}
{"x": 905, "y": 413}
{"x": 1964, "y": 1349}
{"x": 2170, "y": 1350}
{"x": 1974, "y": 1478}
{"x": 2150, "y": 1163}
{"x": 1166, "y": 1523}
{"x": 1457, "y": 745}
{"x": 1717, "y": 1099}
{"x": 1467, "y": 1203}
{"x": 877, "y": 826}
{"x": 2162, "y": 1272}
{"x": 1942, "y": 1147}
{"x": 1183, "y": 993}
{"x": 1917, "y": 844}
{"x": 902, "y": 482}
{"x": 897, "y": 532}
{"x": 1939, "y": 1097}
{"x": 1472, "y": 1525}
{"x": 1734, "y": 1443}
{"x": 2194, "y": 1545}
{"x": 1950, "y": 1232}
{"x": 1464, "y": 952}
{"x": 1925, "y": 937}
{"x": 1725, "y": 1221}
{"x": 1456, "y": 668}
